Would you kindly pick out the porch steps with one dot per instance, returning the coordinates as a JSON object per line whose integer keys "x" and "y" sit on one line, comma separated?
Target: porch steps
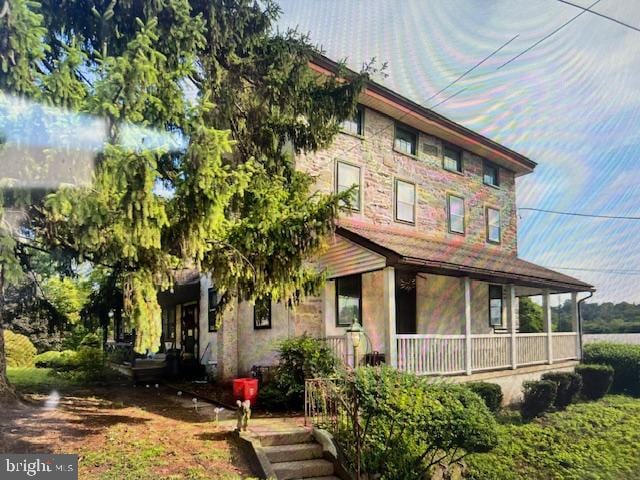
{"x": 295, "y": 454}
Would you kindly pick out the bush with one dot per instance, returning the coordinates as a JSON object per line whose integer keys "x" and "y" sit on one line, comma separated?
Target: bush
{"x": 300, "y": 358}
{"x": 411, "y": 427}
{"x": 65, "y": 360}
{"x": 538, "y": 398}
{"x": 569, "y": 385}
{"x": 19, "y": 350}
{"x": 596, "y": 380}
{"x": 490, "y": 393}
{"x": 625, "y": 360}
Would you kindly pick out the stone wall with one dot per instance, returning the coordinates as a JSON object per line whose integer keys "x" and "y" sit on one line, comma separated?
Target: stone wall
{"x": 381, "y": 165}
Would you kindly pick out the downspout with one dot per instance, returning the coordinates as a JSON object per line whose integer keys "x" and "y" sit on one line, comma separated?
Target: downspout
{"x": 580, "y": 319}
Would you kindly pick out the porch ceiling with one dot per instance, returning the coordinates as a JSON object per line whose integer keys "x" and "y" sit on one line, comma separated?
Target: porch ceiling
{"x": 414, "y": 251}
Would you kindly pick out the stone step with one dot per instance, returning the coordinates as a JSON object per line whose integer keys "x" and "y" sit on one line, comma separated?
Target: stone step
{"x": 290, "y": 437}
{"x": 330, "y": 477}
{"x": 290, "y": 453}
{"x": 303, "y": 469}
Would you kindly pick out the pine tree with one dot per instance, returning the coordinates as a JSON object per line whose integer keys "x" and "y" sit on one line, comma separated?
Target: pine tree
{"x": 224, "y": 100}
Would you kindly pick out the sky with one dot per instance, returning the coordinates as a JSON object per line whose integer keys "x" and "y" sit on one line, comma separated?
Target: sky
{"x": 571, "y": 104}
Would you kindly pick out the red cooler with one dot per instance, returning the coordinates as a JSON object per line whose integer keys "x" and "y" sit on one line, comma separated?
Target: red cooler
{"x": 251, "y": 390}
{"x": 238, "y": 388}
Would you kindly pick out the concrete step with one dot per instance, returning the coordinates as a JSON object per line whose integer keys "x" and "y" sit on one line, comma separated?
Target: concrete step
{"x": 303, "y": 469}
{"x": 290, "y": 437}
{"x": 290, "y": 453}
{"x": 330, "y": 477}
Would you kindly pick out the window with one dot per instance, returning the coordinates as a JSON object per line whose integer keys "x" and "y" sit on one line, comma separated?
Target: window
{"x": 348, "y": 300}
{"x": 493, "y": 225}
{"x": 348, "y": 176}
{"x": 495, "y": 305}
{"x": 168, "y": 324}
{"x": 452, "y": 158}
{"x": 455, "y": 207}
{"x": 262, "y": 313}
{"x": 355, "y": 125}
{"x": 214, "y": 301}
{"x": 405, "y": 201}
{"x": 490, "y": 174}
{"x": 406, "y": 140}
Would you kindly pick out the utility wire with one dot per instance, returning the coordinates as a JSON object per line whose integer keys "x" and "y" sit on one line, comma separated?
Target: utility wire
{"x": 469, "y": 71}
{"x": 548, "y": 36}
{"x": 598, "y": 270}
{"x": 575, "y": 214}
{"x": 588, "y": 9}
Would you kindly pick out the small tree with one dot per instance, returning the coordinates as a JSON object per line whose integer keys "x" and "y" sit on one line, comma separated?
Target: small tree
{"x": 530, "y": 316}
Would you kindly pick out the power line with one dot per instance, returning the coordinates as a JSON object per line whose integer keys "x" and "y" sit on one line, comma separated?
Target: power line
{"x": 575, "y": 214}
{"x": 587, "y": 9}
{"x": 449, "y": 97}
{"x": 548, "y": 36}
{"x": 469, "y": 71}
{"x": 598, "y": 270}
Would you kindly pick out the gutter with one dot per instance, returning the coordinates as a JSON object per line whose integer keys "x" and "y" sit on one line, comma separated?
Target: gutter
{"x": 580, "y": 319}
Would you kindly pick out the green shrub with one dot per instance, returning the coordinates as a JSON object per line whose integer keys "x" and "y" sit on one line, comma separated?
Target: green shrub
{"x": 569, "y": 386}
{"x": 490, "y": 393}
{"x": 411, "y": 428}
{"x": 91, "y": 364}
{"x": 19, "y": 350}
{"x": 596, "y": 380}
{"x": 65, "y": 360}
{"x": 538, "y": 397}
{"x": 91, "y": 340}
{"x": 73, "y": 338}
{"x": 300, "y": 358}
{"x": 625, "y": 360}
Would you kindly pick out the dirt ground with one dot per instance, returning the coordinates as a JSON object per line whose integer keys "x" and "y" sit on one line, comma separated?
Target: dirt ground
{"x": 127, "y": 432}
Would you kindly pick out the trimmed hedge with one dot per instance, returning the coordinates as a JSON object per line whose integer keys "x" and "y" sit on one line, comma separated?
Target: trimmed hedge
{"x": 65, "y": 360}
{"x": 19, "y": 350}
{"x": 596, "y": 380}
{"x": 625, "y": 360}
{"x": 490, "y": 393}
{"x": 569, "y": 386}
{"x": 538, "y": 398}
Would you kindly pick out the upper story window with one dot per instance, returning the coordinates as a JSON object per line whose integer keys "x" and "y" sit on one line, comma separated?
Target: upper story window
{"x": 262, "y": 313}
{"x": 493, "y": 225}
{"x": 495, "y": 305}
{"x": 455, "y": 211}
{"x": 348, "y": 300}
{"x": 354, "y": 125}
{"x": 348, "y": 176}
{"x": 452, "y": 158}
{"x": 406, "y": 140}
{"x": 405, "y": 201}
{"x": 490, "y": 174}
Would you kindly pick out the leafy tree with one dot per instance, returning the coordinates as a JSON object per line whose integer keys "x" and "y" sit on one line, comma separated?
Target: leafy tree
{"x": 223, "y": 101}
{"x": 530, "y": 315}
{"x": 69, "y": 295}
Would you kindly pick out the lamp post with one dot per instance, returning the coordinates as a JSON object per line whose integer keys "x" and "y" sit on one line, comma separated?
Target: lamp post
{"x": 355, "y": 332}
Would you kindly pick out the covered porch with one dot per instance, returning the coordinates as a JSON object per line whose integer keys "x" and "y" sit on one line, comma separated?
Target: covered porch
{"x": 433, "y": 309}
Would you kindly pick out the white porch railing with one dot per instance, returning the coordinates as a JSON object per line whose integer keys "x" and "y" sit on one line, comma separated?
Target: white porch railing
{"x": 564, "y": 345}
{"x": 531, "y": 348}
{"x": 490, "y": 352}
{"x": 431, "y": 354}
{"x": 340, "y": 348}
{"x": 447, "y": 354}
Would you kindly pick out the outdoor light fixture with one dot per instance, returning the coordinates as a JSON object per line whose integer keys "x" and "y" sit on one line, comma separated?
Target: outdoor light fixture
{"x": 355, "y": 332}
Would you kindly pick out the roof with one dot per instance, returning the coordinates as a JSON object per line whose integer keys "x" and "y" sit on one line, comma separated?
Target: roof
{"x": 468, "y": 138}
{"x": 425, "y": 254}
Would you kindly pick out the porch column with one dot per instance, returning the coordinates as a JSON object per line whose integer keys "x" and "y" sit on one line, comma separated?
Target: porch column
{"x": 511, "y": 314}
{"x": 467, "y": 324}
{"x": 574, "y": 322}
{"x": 546, "y": 312}
{"x": 389, "y": 303}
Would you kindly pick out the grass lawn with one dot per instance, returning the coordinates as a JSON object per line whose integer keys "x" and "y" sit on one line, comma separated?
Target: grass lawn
{"x": 120, "y": 432}
{"x": 588, "y": 441}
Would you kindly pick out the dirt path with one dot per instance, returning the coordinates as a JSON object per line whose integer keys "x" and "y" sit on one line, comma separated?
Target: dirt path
{"x": 127, "y": 433}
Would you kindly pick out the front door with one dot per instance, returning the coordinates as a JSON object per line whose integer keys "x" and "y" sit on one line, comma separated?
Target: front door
{"x": 405, "y": 302}
{"x": 189, "y": 332}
